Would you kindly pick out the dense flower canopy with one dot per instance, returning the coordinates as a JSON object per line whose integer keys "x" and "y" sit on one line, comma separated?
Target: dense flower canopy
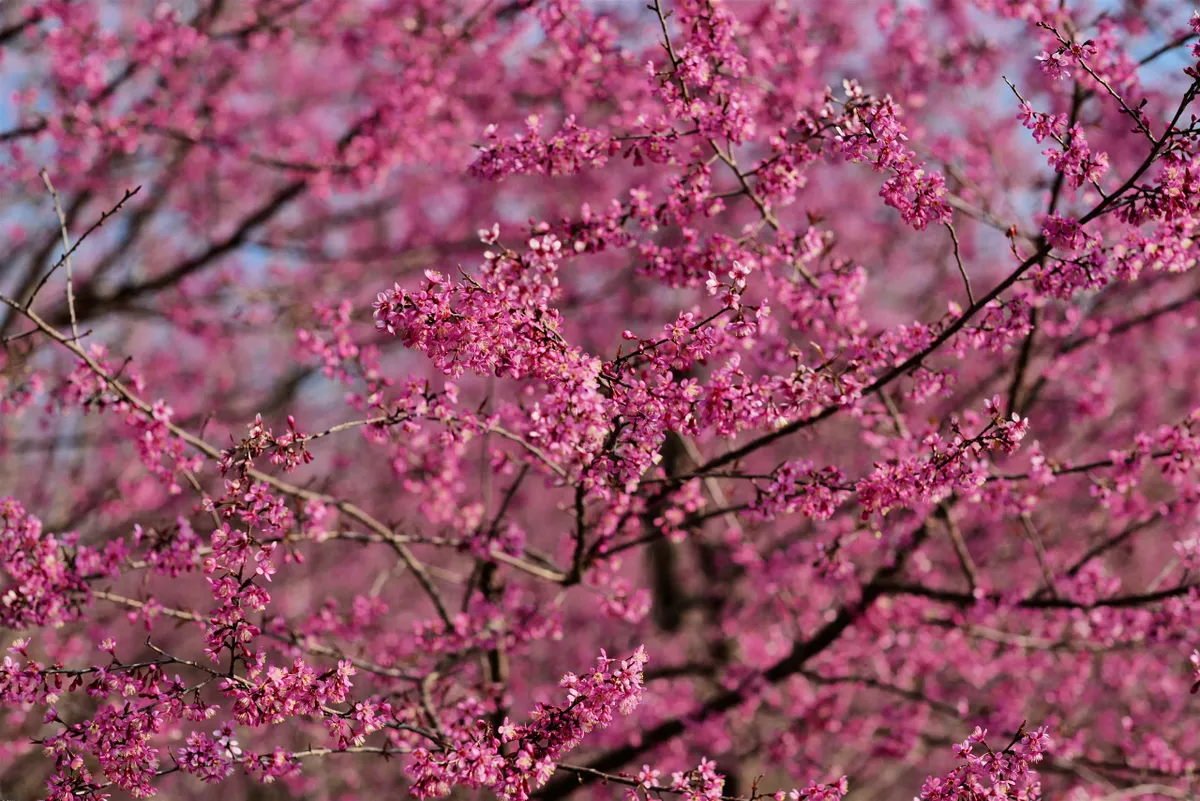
{"x": 698, "y": 399}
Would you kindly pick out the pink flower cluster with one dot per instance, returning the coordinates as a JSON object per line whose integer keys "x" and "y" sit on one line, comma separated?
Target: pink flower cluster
{"x": 986, "y": 773}
{"x": 46, "y": 575}
{"x": 475, "y": 756}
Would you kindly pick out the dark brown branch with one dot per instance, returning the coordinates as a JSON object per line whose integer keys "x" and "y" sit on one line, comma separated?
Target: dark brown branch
{"x": 786, "y": 667}
{"x": 964, "y": 599}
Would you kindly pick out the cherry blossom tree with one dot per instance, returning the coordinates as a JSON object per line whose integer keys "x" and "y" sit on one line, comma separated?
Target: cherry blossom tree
{"x": 533, "y": 399}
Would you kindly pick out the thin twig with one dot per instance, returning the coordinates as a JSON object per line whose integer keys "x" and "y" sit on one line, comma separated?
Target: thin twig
{"x": 958, "y": 260}
{"x": 960, "y": 547}
{"x": 1031, "y": 530}
{"x": 66, "y": 238}
{"x": 103, "y": 219}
